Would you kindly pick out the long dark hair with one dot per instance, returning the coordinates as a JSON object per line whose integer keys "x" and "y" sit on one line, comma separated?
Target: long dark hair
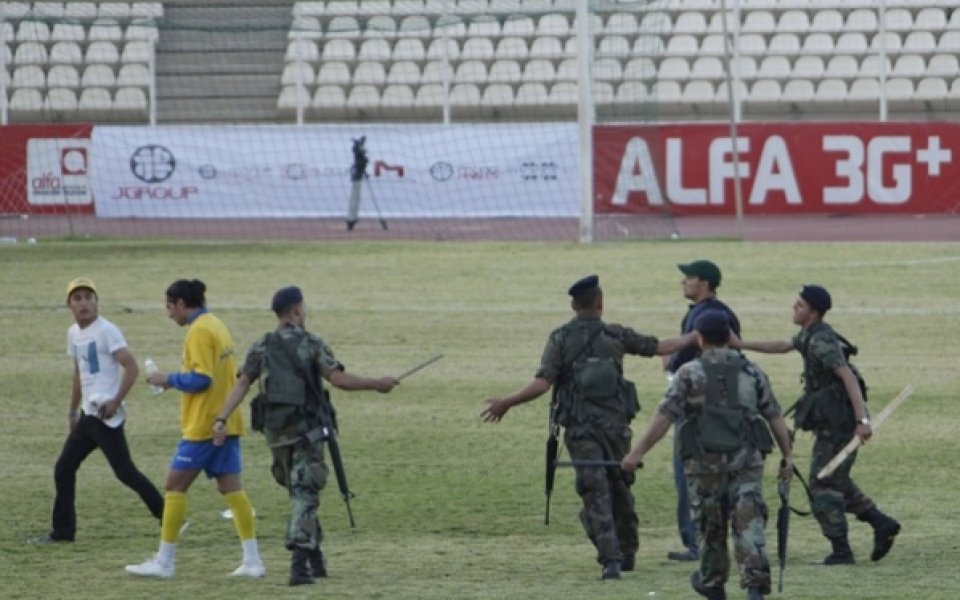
{"x": 190, "y": 291}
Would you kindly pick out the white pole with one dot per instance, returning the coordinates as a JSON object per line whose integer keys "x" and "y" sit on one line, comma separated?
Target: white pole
{"x": 300, "y": 86}
{"x": 734, "y": 117}
{"x": 3, "y": 83}
{"x": 447, "y": 76}
{"x": 585, "y": 119}
{"x": 882, "y": 32}
{"x": 152, "y": 66}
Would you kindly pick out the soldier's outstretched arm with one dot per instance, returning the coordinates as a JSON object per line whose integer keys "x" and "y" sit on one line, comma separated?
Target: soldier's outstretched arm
{"x": 765, "y": 346}
{"x": 782, "y": 435}
{"x": 497, "y": 407}
{"x": 671, "y": 345}
{"x": 350, "y": 382}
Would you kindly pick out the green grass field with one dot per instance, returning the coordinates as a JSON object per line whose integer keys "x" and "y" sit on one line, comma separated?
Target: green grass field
{"x": 447, "y": 506}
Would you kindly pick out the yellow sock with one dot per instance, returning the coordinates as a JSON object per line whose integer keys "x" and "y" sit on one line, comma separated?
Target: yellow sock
{"x": 174, "y": 512}
{"x": 242, "y": 510}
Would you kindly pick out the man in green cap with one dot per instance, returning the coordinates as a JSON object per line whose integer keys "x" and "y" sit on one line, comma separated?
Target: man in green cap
{"x": 701, "y": 278}
{"x": 583, "y": 361}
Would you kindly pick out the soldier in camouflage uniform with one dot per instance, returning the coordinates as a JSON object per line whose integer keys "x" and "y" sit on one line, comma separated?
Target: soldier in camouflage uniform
{"x": 833, "y": 408}
{"x": 298, "y": 465}
{"x": 723, "y": 458}
{"x": 595, "y": 428}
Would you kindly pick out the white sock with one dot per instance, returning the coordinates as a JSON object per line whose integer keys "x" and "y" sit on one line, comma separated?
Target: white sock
{"x": 167, "y": 553}
{"x": 251, "y": 554}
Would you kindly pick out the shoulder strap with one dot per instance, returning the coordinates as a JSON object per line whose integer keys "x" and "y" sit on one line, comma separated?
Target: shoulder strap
{"x": 298, "y": 364}
{"x": 588, "y": 344}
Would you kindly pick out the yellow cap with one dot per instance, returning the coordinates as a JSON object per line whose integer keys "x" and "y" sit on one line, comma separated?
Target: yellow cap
{"x": 80, "y": 282}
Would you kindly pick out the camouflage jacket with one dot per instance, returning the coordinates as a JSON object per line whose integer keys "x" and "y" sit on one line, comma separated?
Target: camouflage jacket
{"x": 822, "y": 355}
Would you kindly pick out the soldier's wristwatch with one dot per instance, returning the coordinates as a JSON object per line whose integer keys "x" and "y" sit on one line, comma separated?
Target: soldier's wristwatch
{"x": 865, "y": 421}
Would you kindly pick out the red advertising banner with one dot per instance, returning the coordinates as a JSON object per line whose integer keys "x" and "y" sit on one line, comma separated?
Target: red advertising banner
{"x": 44, "y": 169}
{"x": 784, "y": 168}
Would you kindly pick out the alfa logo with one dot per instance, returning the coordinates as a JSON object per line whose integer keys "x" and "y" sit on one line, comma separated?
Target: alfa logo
{"x": 153, "y": 163}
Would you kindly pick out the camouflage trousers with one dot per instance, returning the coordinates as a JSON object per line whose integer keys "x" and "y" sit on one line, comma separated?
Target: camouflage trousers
{"x": 837, "y": 494}
{"x": 300, "y": 468}
{"x": 608, "y": 514}
{"x": 734, "y": 501}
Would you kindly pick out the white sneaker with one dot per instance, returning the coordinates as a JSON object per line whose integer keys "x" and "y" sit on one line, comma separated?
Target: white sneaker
{"x": 184, "y": 527}
{"x": 250, "y": 570}
{"x": 152, "y": 567}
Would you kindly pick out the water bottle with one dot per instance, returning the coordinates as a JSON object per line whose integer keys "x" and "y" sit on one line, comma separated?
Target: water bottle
{"x": 151, "y": 368}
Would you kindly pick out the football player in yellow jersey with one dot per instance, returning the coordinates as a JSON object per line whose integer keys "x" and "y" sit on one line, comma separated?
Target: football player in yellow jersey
{"x": 209, "y": 372}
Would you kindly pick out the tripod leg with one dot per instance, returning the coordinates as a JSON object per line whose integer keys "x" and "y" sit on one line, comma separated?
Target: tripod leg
{"x": 373, "y": 198}
{"x": 354, "y": 208}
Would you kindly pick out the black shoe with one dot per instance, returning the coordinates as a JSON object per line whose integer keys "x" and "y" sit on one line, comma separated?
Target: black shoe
{"x": 685, "y": 556}
{"x": 48, "y": 538}
{"x": 317, "y": 562}
{"x": 350, "y": 225}
{"x": 300, "y": 568}
{"x": 611, "y": 570}
{"x": 710, "y": 593}
{"x": 884, "y": 534}
{"x": 838, "y": 558}
{"x": 628, "y": 562}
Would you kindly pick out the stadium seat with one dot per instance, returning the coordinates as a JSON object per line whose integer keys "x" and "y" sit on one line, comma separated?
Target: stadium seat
{"x": 29, "y": 76}
{"x": 333, "y": 73}
{"x": 716, "y": 25}
{"x": 429, "y": 95}
{"x": 538, "y": 69}
{"x": 539, "y": 6}
{"x": 130, "y": 103}
{"x": 471, "y": 7}
{"x": 817, "y": 44}
{"x": 852, "y": 43}
{"x": 146, "y": 31}
{"x": 14, "y": 10}
{"x": 898, "y": 19}
{"x": 32, "y": 53}
{"x": 497, "y": 96}
{"x": 119, "y": 11}
{"x": 798, "y": 92}
{"x": 631, "y": 92}
{"x": 437, "y": 72}
{"x": 943, "y": 65}
{"x": 518, "y": 25}
{"x": 890, "y": 39}
{"x": 373, "y": 7}
{"x": 47, "y": 10}
{"x": 911, "y": 66}
{"x": 465, "y": 98}
{"x": 864, "y": 89}
{"x": 765, "y": 95}
{"x": 25, "y": 105}
{"x": 438, "y": 7}
{"x": 80, "y": 11}
{"x": 380, "y": 26}
{"x": 133, "y": 75}
{"x": 830, "y": 95}
{"x": 504, "y": 6}
{"x": 505, "y": 71}
{"x": 98, "y": 76}
{"x": 614, "y": 45}
{"x": 568, "y": 70}
{"x": 60, "y": 100}
{"x": 930, "y": 18}
{"x": 63, "y": 76}
{"x": 95, "y": 104}
{"x": 343, "y": 26}
{"x": 408, "y": 49}
{"x": 471, "y": 71}
{"x": 450, "y": 26}
{"x": 872, "y": 66}
{"x": 416, "y": 26}
{"x": 602, "y": 92}
{"x": 33, "y": 31}
{"x": 297, "y": 73}
{"x": 656, "y": 22}
{"x": 337, "y": 50}
{"x": 785, "y": 43}
{"x": 302, "y": 50}
{"x": 759, "y": 21}
{"x": 375, "y": 49}
{"x": 954, "y": 21}
{"x": 137, "y": 52}
{"x": 699, "y": 95}
{"x": 620, "y": 23}
{"x": 639, "y": 69}
{"x": 752, "y": 44}
{"x": 146, "y": 10}
{"x": 826, "y": 21}
{"x": 899, "y": 92}
{"x": 668, "y": 94}
{"x": 546, "y": 47}
{"x": 842, "y": 66}
{"x": 363, "y": 99}
{"x": 708, "y": 68}
{"x": 477, "y": 49}
{"x": 532, "y": 99}
{"x": 329, "y": 101}
{"x": 863, "y": 20}
{"x": 343, "y": 7}
{"x": 808, "y": 67}
{"x": 396, "y": 100}
{"x": 673, "y": 68}
{"x": 919, "y": 42}
{"x": 443, "y": 49}
{"x": 553, "y": 24}
{"x": 648, "y": 45}
{"x": 66, "y": 53}
{"x": 564, "y": 98}
{"x": 105, "y": 30}
{"x": 691, "y": 23}
{"x": 404, "y": 72}
{"x": 7, "y": 32}
{"x": 746, "y": 67}
{"x": 712, "y": 45}
{"x": 68, "y": 32}
{"x": 305, "y": 27}
{"x": 511, "y": 48}
{"x": 607, "y": 69}
{"x": 483, "y": 26}
{"x": 933, "y": 92}
{"x": 293, "y": 97}
{"x": 774, "y": 67}
{"x": 407, "y": 7}
{"x": 949, "y": 41}
{"x": 682, "y": 45}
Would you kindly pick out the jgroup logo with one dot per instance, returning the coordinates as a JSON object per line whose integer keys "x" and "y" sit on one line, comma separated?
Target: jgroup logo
{"x": 152, "y": 163}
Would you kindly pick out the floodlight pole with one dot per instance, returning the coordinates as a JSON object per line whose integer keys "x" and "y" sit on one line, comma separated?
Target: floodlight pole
{"x": 732, "y": 98}
{"x": 3, "y": 83}
{"x": 882, "y": 34}
{"x": 585, "y": 119}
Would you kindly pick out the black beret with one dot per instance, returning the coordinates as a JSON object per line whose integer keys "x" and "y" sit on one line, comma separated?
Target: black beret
{"x": 712, "y": 323}
{"x": 584, "y": 285}
{"x": 285, "y": 298}
{"x": 817, "y": 297}
{"x": 704, "y": 269}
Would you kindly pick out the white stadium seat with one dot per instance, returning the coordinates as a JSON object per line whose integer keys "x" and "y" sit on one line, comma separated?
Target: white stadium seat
{"x": 374, "y": 49}
{"x": 146, "y": 31}
{"x": 909, "y": 65}
{"x": 919, "y": 42}
{"x": 436, "y": 72}
{"x": 864, "y": 89}
{"x": 297, "y": 73}
{"x": 872, "y": 66}
{"x": 608, "y": 69}
{"x": 63, "y": 76}
{"x": 898, "y": 19}
{"x": 80, "y": 11}
{"x": 820, "y": 44}
{"x": 404, "y": 72}
{"x": 682, "y": 45}
{"x": 333, "y": 73}
{"x": 505, "y": 71}
{"x": 798, "y": 91}
{"x": 613, "y": 45}
{"x": 640, "y": 69}
{"x": 429, "y": 95}
{"x": 370, "y": 73}
{"x": 343, "y": 26}
{"x": 692, "y": 23}
{"x": 47, "y": 10}
{"x": 60, "y": 100}
{"x": 302, "y": 50}
{"x": 649, "y": 45}
{"x": 827, "y": 21}
{"x": 842, "y": 66}
{"x": 759, "y": 21}
{"x": 337, "y": 50}
{"x": 518, "y": 25}
{"x": 708, "y": 68}
{"x": 949, "y": 41}
{"x": 416, "y": 26}
{"x": 753, "y": 44}
{"x": 532, "y": 95}
{"x": 146, "y": 10}
{"x": 33, "y": 31}
{"x": 546, "y": 47}
{"x": 105, "y": 30}
{"x": 66, "y": 53}
{"x": 568, "y": 70}
{"x": 943, "y": 65}
{"x": 407, "y": 7}
{"x": 541, "y": 70}
{"x": 471, "y": 71}
{"x": 114, "y": 10}
{"x": 14, "y": 10}
{"x": 785, "y": 43}
{"x": 477, "y": 49}
{"x": 98, "y": 76}
{"x": 484, "y": 26}
{"x": 891, "y": 40}
{"x": 409, "y": 49}
{"x": 631, "y": 92}
{"x": 861, "y": 19}
{"x": 852, "y": 42}
{"x": 68, "y": 32}
{"x": 656, "y": 23}
{"x": 450, "y": 26}
{"x": 133, "y": 75}
{"x": 497, "y": 95}
{"x": 95, "y": 103}
{"x": 512, "y": 48}
{"x": 712, "y": 44}
{"x": 329, "y": 101}
{"x": 32, "y": 53}
{"x": 130, "y": 102}
{"x": 465, "y": 95}
{"x": 931, "y": 18}
{"x": 29, "y": 76}
{"x": 673, "y": 67}
{"x": 137, "y": 52}
{"x": 774, "y": 67}
{"x": 363, "y": 98}
{"x": 553, "y": 24}
{"x": 380, "y": 26}
{"x": 808, "y": 67}
{"x": 443, "y": 49}
{"x": 396, "y": 99}
{"x": 102, "y": 52}
{"x": 603, "y": 92}
{"x": 621, "y": 24}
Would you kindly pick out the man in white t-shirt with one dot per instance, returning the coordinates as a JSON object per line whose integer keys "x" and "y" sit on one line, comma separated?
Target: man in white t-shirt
{"x": 104, "y": 371}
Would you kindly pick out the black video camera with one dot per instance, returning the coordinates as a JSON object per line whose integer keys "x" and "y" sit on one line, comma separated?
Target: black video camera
{"x": 360, "y": 160}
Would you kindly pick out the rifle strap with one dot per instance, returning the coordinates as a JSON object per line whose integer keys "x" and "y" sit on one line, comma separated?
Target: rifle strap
{"x": 307, "y": 376}
{"x": 806, "y": 489}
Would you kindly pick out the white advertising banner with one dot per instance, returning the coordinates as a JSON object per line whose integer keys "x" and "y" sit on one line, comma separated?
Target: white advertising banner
{"x": 57, "y": 170}
{"x": 481, "y": 170}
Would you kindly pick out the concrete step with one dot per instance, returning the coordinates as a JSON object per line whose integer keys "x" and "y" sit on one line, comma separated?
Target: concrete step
{"x": 240, "y": 63}
{"x": 218, "y": 86}
{"x": 217, "y": 110}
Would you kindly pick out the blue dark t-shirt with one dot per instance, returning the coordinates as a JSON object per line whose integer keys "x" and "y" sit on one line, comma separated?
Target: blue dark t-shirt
{"x": 681, "y": 357}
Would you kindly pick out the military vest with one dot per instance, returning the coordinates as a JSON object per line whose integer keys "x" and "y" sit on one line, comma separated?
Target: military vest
{"x": 285, "y": 402}
{"x": 825, "y": 403}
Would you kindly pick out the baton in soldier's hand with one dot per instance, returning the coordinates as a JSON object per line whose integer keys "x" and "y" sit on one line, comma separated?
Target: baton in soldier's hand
{"x": 425, "y": 363}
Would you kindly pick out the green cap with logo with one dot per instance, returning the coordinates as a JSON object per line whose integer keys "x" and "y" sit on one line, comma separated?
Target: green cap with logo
{"x": 704, "y": 269}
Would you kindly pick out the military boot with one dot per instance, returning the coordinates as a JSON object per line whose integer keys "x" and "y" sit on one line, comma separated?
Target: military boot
{"x": 611, "y": 570}
{"x": 885, "y": 529}
{"x": 318, "y": 563}
{"x": 710, "y": 593}
{"x": 841, "y": 555}
{"x": 753, "y": 593}
{"x": 628, "y": 562}
{"x": 300, "y": 567}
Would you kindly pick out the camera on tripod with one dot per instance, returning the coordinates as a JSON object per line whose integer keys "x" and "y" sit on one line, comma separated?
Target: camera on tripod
{"x": 360, "y": 159}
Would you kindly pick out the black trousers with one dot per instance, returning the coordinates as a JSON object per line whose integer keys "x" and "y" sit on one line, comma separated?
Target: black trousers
{"x": 89, "y": 434}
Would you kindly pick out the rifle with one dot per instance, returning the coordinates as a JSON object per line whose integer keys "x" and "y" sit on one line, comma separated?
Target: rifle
{"x": 553, "y": 452}
{"x": 327, "y": 430}
{"x": 783, "y": 527}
